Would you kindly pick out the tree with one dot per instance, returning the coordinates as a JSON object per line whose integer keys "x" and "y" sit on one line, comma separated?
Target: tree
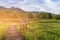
{"x": 44, "y": 15}
{"x": 57, "y": 17}
{"x": 30, "y": 16}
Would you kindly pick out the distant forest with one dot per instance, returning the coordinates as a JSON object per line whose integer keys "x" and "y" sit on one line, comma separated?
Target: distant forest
{"x": 44, "y": 15}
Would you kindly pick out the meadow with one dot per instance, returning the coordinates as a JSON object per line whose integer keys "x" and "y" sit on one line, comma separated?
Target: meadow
{"x": 3, "y": 30}
{"x": 36, "y": 30}
{"x": 42, "y": 30}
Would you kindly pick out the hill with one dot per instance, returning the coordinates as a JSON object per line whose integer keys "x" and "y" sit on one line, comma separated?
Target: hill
{"x": 12, "y": 14}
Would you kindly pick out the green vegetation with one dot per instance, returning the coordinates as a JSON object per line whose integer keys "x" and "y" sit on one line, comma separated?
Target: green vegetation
{"x": 3, "y": 30}
{"x": 43, "y": 26}
{"x": 43, "y": 31}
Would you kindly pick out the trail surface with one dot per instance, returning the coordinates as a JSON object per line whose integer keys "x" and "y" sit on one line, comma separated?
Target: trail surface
{"x": 13, "y": 33}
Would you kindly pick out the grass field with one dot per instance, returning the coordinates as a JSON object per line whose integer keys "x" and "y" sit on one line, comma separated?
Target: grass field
{"x": 36, "y": 30}
{"x": 43, "y": 30}
{"x": 3, "y": 30}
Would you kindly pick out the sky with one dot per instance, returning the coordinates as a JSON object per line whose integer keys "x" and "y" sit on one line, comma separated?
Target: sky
{"x": 33, "y": 5}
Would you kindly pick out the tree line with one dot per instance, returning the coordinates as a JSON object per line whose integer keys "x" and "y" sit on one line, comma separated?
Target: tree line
{"x": 43, "y": 15}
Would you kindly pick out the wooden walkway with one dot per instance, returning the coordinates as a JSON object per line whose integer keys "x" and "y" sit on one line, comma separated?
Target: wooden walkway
{"x": 13, "y": 33}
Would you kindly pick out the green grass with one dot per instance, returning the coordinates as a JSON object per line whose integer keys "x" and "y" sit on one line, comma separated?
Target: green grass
{"x": 37, "y": 30}
{"x": 3, "y": 30}
{"x": 43, "y": 30}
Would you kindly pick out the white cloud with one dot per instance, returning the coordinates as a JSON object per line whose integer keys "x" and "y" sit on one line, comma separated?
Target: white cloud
{"x": 52, "y": 6}
{"x": 48, "y": 5}
{"x": 34, "y": 5}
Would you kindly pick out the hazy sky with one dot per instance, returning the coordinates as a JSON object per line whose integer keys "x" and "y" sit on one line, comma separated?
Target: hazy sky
{"x": 33, "y": 5}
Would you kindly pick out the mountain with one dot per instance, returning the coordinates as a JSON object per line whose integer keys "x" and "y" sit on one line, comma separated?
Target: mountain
{"x": 12, "y": 12}
{"x": 16, "y": 9}
{"x": 11, "y": 9}
{"x": 2, "y": 8}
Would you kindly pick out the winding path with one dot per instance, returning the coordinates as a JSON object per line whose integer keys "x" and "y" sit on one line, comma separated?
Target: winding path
{"x": 13, "y": 33}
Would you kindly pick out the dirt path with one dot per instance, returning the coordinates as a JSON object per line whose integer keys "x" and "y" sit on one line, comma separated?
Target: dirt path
{"x": 13, "y": 33}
